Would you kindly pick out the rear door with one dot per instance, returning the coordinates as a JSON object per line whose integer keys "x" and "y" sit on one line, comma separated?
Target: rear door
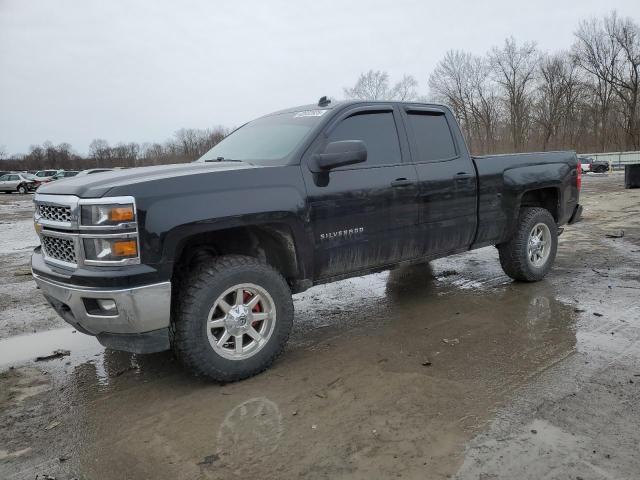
{"x": 3, "y": 183}
{"x": 446, "y": 181}
{"x": 363, "y": 215}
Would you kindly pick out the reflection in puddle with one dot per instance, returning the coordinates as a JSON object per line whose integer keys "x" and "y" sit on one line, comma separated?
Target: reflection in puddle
{"x": 249, "y": 432}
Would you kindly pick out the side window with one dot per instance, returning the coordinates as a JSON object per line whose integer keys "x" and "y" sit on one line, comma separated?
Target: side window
{"x": 377, "y": 131}
{"x": 13, "y": 178}
{"x": 432, "y": 136}
{"x": 4, "y": 178}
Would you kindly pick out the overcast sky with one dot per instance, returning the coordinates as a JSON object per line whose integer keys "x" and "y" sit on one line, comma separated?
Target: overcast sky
{"x": 75, "y": 70}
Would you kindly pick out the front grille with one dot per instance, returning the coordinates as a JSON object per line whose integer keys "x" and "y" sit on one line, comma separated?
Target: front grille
{"x": 59, "y": 249}
{"x": 55, "y": 213}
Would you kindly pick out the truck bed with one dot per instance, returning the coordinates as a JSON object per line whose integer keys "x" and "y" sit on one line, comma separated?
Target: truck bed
{"x": 500, "y": 186}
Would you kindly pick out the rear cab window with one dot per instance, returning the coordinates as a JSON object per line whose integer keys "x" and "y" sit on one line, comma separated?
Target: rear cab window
{"x": 432, "y": 136}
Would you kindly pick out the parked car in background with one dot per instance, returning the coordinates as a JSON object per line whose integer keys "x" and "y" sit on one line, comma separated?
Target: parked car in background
{"x": 65, "y": 174}
{"x": 46, "y": 175}
{"x": 34, "y": 183}
{"x": 17, "y": 182}
{"x": 91, "y": 171}
{"x": 588, "y": 164}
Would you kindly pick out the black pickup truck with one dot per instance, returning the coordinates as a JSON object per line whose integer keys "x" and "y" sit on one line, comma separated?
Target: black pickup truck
{"x": 202, "y": 258}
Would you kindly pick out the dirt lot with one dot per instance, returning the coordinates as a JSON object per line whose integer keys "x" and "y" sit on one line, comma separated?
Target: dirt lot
{"x": 442, "y": 371}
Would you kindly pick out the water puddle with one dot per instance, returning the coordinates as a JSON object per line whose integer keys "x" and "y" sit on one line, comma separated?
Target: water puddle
{"x": 26, "y": 348}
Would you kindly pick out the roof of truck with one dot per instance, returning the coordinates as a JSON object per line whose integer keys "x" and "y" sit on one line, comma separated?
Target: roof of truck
{"x": 341, "y": 103}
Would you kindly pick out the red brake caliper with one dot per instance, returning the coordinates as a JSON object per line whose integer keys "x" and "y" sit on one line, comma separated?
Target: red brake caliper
{"x": 256, "y": 309}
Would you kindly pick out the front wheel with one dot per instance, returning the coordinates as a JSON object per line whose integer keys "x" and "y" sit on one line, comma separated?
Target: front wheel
{"x": 22, "y": 189}
{"x": 530, "y": 253}
{"x": 233, "y": 318}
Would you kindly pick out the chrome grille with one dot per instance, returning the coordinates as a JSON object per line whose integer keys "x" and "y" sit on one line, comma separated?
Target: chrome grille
{"x": 59, "y": 249}
{"x": 55, "y": 213}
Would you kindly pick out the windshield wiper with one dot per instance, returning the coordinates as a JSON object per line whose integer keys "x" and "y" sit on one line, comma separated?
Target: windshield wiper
{"x": 221, "y": 159}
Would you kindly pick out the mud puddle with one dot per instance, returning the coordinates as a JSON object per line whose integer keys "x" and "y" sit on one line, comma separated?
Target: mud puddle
{"x": 26, "y": 348}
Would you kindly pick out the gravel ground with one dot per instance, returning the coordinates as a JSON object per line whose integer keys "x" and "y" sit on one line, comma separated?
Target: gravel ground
{"x": 448, "y": 370}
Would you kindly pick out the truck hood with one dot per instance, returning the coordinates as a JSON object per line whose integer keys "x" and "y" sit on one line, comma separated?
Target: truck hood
{"x": 98, "y": 184}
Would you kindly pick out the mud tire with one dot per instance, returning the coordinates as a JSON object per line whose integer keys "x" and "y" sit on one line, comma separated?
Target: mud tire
{"x": 199, "y": 290}
{"x": 513, "y": 254}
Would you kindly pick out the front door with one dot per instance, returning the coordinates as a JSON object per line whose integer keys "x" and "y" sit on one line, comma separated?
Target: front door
{"x": 10, "y": 182}
{"x": 363, "y": 216}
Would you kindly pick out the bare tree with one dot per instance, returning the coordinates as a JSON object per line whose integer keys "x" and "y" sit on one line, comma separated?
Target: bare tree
{"x": 460, "y": 80}
{"x": 372, "y": 85}
{"x": 514, "y": 69}
{"x": 100, "y": 152}
{"x": 625, "y": 76}
{"x": 405, "y": 90}
{"x": 548, "y": 108}
{"x": 450, "y": 83}
{"x": 486, "y": 105}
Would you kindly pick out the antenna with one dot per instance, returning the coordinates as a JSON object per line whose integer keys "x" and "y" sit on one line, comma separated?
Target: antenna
{"x": 324, "y": 101}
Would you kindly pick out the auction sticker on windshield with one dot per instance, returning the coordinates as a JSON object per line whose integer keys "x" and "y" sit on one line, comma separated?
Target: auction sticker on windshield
{"x": 310, "y": 113}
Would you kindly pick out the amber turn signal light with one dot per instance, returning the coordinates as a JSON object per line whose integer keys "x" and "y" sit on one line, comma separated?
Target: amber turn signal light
{"x": 125, "y": 248}
{"x": 121, "y": 214}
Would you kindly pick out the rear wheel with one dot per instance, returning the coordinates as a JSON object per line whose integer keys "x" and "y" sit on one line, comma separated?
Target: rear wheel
{"x": 530, "y": 253}
{"x": 233, "y": 318}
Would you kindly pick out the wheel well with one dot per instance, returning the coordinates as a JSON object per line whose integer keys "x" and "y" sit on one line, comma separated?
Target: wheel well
{"x": 271, "y": 243}
{"x": 546, "y": 198}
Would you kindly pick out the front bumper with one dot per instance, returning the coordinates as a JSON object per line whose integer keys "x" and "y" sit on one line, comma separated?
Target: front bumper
{"x": 140, "y": 323}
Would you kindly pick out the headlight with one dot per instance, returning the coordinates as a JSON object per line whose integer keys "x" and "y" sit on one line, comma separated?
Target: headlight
{"x": 116, "y": 249}
{"x": 107, "y": 215}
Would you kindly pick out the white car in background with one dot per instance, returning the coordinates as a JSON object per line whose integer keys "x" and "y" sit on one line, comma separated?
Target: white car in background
{"x": 46, "y": 175}
{"x": 584, "y": 165}
{"x": 17, "y": 182}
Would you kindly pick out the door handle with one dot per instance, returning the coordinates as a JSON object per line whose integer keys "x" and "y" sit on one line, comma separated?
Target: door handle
{"x": 463, "y": 175}
{"x": 401, "y": 182}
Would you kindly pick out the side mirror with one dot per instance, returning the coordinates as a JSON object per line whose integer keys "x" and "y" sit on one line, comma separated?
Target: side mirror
{"x": 339, "y": 154}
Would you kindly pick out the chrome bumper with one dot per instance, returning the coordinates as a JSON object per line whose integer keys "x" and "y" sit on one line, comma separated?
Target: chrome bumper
{"x": 139, "y": 309}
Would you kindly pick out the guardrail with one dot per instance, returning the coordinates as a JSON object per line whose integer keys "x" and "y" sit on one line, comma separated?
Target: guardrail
{"x": 617, "y": 160}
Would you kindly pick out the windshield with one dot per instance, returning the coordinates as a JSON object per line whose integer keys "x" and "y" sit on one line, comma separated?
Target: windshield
{"x": 267, "y": 140}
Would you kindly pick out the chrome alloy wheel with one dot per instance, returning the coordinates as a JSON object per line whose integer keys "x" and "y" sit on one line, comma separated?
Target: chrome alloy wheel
{"x": 241, "y": 321}
{"x": 539, "y": 246}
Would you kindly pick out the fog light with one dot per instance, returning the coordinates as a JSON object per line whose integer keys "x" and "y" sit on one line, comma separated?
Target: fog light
{"x": 105, "y": 307}
{"x": 109, "y": 306}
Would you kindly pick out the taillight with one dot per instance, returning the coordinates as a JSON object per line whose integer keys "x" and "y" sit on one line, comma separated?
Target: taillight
{"x": 579, "y": 176}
